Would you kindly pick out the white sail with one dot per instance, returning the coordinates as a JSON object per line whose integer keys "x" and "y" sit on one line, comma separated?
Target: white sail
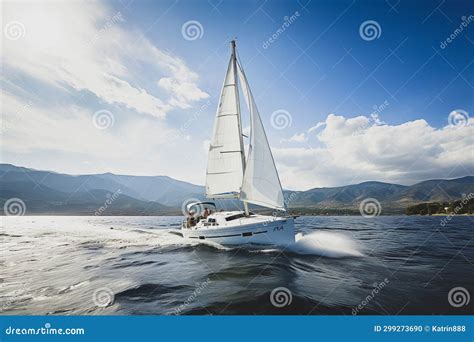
{"x": 225, "y": 167}
{"x": 261, "y": 184}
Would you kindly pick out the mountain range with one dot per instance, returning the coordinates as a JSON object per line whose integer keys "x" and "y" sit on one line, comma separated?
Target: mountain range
{"x": 52, "y": 193}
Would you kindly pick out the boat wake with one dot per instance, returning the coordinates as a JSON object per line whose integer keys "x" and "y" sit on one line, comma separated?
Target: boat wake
{"x": 327, "y": 244}
{"x": 320, "y": 243}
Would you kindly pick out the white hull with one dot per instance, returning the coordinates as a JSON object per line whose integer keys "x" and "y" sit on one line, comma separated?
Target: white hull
{"x": 255, "y": 229}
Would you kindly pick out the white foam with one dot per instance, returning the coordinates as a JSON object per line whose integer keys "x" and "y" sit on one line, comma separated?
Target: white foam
{"x": 129, "y": 232}
{"x": 210, "y": 243}
{"x": 332, "y": 245}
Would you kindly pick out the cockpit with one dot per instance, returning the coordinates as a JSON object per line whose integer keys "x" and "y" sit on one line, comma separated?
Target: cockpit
{"x": 200, "y": 211}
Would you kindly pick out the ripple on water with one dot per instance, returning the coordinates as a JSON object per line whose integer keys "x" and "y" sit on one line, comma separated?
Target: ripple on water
{"x": 92, "y": 245}
{"x": 148, "y": 292}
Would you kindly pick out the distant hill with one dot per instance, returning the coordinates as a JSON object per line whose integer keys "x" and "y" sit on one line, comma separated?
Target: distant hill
{"x": 345, "y": 196}
{"x": 440, "y": 190}
{"x": 42, "y": 200}
{"x": 162, "y": 189}
{"x": 389, "y": 195}
{"x": 47, "y": 192}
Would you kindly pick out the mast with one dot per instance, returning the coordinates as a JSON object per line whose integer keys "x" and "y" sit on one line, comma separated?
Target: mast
{"x": 225, "y": 163}
{"x": 234, "y": 64}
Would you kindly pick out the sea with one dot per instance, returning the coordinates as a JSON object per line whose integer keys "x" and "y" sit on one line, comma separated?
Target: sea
{"x": 339, "y": 265}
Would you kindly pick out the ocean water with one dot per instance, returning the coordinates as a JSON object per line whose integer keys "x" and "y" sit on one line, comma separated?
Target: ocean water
{"x": 137, "y": 266}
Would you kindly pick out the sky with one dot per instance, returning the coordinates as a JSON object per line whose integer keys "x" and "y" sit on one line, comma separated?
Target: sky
{"x": 348, "y": 91}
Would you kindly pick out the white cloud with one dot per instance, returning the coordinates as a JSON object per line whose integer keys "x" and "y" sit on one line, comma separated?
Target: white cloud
{"x": 302, "y": 137}
{"x": 74, "y": 59}
{"x": 354, "y": 150}
{"x": 81, "y": 45}
{"x": 298, "y": 137}
{"x": 29, "y": 128}
{"x": 65, "y": 139}
{"x": 184, "y": 92}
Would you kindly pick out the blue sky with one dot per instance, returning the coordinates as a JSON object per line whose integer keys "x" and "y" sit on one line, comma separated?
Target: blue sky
{"x": 354, "y": 109}
{"x": 328, "y": 32}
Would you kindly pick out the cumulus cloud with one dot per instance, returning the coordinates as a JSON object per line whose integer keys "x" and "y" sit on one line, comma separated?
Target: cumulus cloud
{"x": 298, "y": 138}
{"x": 353, "y": 150}
{"x": 302, "y": 137}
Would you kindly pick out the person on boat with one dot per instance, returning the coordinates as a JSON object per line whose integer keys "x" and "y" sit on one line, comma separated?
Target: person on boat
{"x": 206, "y": 213}
{"x": 191, "y": 219}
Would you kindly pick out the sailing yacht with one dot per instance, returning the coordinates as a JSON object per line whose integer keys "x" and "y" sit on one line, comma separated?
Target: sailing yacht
{"x": 230, "y": 175}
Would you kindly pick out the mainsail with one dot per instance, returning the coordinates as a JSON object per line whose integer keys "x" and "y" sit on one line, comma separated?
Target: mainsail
{"x": 225, "y": 167}
{"x": 261, "y": 184}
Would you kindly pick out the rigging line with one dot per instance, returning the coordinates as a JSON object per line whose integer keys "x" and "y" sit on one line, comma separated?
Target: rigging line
{"x": 239, "y": 115}
{"x": 247, "y": 87}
